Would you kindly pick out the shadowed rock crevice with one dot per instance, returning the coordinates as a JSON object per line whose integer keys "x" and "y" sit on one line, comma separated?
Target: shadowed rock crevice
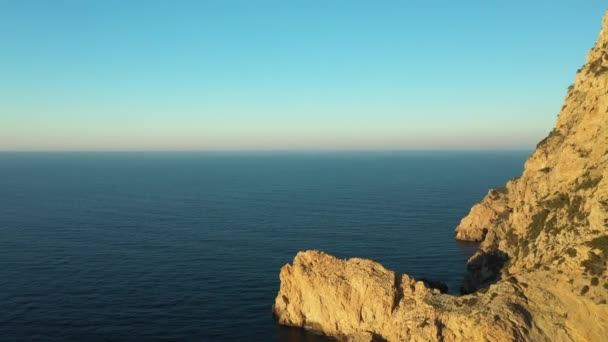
{"x": 519, "y": 309}
{"x": 378, "y": 338}
{"x": 439, "y": 326}
{"x": 483, "y": 270}
{"x": 435, "y": 284}
{"x": 398, "y": 292}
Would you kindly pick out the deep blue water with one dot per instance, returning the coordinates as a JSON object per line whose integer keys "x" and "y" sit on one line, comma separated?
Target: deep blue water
{"x": 188, "y": 246}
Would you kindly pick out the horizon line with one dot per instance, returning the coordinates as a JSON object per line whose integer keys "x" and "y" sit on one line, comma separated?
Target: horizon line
{"x": 281, "y": 150}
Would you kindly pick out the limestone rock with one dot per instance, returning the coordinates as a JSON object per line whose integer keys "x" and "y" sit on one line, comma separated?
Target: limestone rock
{"x": 359, "y": 300}
{"x": 540, "y": 273}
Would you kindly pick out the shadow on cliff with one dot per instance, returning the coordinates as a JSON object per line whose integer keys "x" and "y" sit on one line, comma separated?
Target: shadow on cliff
{"x": 483, "y": 269}
{"x": 293, "y": 334}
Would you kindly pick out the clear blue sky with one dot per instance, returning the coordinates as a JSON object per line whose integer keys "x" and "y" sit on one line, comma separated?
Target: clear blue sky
{"x": 242, "y": 75}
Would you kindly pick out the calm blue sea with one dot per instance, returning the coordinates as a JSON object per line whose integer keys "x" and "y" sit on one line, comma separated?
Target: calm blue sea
{"x": 188, "y": 246}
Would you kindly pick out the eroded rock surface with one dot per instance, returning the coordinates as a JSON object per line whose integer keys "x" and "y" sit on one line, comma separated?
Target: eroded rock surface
{"x": 539, "y": 275}
{"x": 358, "y": 299}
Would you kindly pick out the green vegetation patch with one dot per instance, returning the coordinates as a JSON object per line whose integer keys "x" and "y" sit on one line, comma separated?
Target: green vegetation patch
{"x": 471, "y": 301}
{"x": 595, "y": 264}
{"x": 597, "y": 68}
{"x": 588, "y": 182}
{"x": 600, "y": 243}
{"x": 560, "y": 201}
{"x": 483, "y": 290}
{"x": 554, "y": 133}
{"x": 551, "y": 226}
{"x": 575, "y": 209}
{"x": 537, "y": 225}
{"x": 512, "y": 280}
{"x": 502, "y": 190}
{"x": 602, "y": 70}
{"x": 584, "y": 153}
{"x": 595, "y": 281}
{"x": 511, "y": 238}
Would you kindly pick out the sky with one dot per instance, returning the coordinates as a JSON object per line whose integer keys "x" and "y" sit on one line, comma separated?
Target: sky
{"x": 287, "y": 75}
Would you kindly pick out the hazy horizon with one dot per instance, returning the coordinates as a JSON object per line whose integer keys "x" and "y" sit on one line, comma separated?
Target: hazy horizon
{"x": 271, "y": 151}
{"x": 275, "y": 76}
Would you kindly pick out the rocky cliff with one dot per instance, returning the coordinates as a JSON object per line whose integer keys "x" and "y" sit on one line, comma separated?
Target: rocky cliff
{"x": 539, "y": 275}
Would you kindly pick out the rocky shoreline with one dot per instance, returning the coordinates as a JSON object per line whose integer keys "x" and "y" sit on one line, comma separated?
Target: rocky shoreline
{"x": 540, "y": 272}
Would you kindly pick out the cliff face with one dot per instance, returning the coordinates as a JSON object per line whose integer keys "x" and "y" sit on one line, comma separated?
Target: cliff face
{"x": 557, "y": 211}
{"x": 540, "y": 273}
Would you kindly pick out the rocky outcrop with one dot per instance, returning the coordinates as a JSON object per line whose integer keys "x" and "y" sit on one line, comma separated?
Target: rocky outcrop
{"x": 540, "y": 273}
{"x": 358, "y": 299}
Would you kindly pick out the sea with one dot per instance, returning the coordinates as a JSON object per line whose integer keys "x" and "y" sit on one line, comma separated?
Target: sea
{"x": 187, "y": 246}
